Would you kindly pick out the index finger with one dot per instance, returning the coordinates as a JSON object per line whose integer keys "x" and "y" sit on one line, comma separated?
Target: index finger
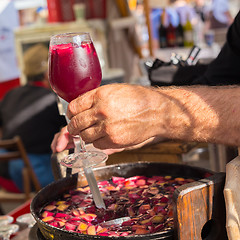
{"x": 80, "y": 104}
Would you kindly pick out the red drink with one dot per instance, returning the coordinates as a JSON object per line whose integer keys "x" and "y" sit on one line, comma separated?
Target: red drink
{"x": 74, "y": 69}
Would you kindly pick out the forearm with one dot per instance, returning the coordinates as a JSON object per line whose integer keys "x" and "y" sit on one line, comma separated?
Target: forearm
{"x": 205, "y": 114}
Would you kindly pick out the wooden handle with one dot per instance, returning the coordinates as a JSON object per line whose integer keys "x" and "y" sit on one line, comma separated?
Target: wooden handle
{"x": 199, "y": 211}
{"x": 232, "y": 198}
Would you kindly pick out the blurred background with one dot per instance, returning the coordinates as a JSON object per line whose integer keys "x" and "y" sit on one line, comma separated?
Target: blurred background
{"x": 126, "y": 34}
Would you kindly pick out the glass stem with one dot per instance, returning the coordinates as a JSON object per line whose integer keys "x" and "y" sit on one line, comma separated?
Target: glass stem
{"x": 79, "y": 144}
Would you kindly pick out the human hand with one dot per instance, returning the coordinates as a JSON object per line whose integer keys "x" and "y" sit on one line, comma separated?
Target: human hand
{"x": 62, "y": 141}
{"x": 115, "y": 116}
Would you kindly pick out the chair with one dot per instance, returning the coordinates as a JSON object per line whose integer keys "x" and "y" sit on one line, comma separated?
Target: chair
{"x": 17, "y": 151}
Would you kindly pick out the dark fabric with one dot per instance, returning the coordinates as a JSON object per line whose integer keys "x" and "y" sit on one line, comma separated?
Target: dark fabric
{"x": 4, "y": 170}
{"x": 31, "y": 112}
{"x": 225, "y": 69}
{"x": 186, "y": 75}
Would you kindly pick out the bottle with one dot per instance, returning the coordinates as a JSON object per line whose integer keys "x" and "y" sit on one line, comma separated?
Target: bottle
{"x": 162, "y": 30}
{"x": 198, "y": 31}
{"x": 188, "y": 33}
{"x": 171, "y": 34}
{"x": 179, "y": 33}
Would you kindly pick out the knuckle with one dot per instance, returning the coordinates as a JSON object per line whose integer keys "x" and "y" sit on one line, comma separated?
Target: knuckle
{"x": 73, "y": 126}
{"x": 71, "y": 108}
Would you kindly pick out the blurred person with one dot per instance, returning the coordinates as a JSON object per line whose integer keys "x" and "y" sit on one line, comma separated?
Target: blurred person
{"x": 120, "y": 116}
{"x": 219, "y": 14}
{"x": 31, "y": 112}
{"x": 201, "y": 9}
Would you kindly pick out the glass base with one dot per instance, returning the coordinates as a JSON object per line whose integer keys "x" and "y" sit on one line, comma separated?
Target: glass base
{"x": 79, "y": 160}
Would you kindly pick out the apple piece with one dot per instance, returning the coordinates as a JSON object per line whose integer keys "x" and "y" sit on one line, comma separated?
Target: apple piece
{"x": 62, "y": 215}
{"x": 103, "y": 183}
{"x": 128, "y": 223}
{"x": 153, "y": 191}
{"x": 141, "y": 231}
{"x": 62, "y": 207}
{"x": 70, "y": 227}
{"x": 113, "y": 234}
{"x": 61, "y": 224}
{"x": 86, "y": 202}
{"x": 104, "y": 234}
{"x": 102, "y": 230}
{"x": 88, "y": 217}
{"x": 67, "y": 195}
{"x": 47, "y": 214}
{"x": 159, "y": 208}
{"x": 75, "y": 219}
{"x": 157, "y": 219}
{"x": 110, "y": 188}
{"x": 141, "y": 182}
{"x": 112, "y": 207}
{"x": 124, "y": 234}
{"x": 151, "y": 212}
{"x": 50, "y": 207}
{"x": 60, "y": 220}
{"x": 91, "y": 230}
{"x": 54, "y": 224}
{"x": 76, "y": 213}
{"x": 146, "y": 222}
{"x": 131, "y": 212}
{"x": 143, "y": 208}
{"x": 81, "y": 210}
{"x": 118, "y": 180}
{"x": 82, "y": 227}
{"x": 48, "y": 219}
{"x": 77, "y": 199}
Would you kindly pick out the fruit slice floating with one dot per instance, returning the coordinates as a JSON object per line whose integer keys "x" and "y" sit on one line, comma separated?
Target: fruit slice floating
{"x": 146, "y": 201}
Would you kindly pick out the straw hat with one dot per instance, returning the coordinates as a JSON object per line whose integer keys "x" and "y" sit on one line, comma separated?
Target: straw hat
{"x": 35, "y": 60}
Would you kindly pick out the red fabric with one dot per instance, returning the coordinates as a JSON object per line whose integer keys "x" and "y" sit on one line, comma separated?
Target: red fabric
{"x": 8, "y": 185}
{"x": 8, "y": 85}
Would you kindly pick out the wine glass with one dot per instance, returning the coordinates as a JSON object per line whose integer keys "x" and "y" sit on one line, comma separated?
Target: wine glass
{"x": 26, "y": 219}
{"x": 74, "y": 69}
{"x": 5, "y": 219}
{"x": 7, "y": 230}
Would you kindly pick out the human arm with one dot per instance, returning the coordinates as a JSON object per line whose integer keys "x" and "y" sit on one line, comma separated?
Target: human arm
{"x": 123, "y": 116}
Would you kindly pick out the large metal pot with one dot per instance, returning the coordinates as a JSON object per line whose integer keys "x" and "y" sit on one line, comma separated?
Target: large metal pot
{"x": 56, "y": 189}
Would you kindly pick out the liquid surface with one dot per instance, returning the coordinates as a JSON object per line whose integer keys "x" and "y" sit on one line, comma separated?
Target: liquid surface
{"x": 74, "y": 69}
{"x": 147, "y": 201}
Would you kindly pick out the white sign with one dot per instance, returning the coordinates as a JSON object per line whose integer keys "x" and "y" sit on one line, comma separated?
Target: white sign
{"x": 8, "y": 22}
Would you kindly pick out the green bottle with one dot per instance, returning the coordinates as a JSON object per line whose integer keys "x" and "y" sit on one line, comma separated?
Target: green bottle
{"x": 188, "y": 33}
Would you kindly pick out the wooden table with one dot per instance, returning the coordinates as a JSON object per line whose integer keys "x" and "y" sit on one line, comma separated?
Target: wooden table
{"x": 168, "y": 151}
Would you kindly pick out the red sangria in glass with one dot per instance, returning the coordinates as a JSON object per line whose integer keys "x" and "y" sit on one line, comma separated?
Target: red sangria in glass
{"x": 74, "y": 69}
